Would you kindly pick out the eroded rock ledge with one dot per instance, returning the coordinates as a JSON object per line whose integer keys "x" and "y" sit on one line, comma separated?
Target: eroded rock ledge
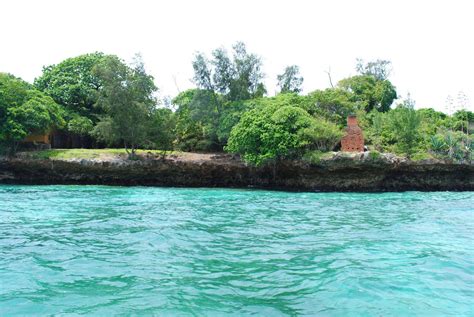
{"x": 338, "y": 172}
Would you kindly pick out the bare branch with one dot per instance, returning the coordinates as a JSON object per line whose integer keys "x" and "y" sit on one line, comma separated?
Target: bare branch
{"x": 329, "y": 75}
{"x": 176, "y": 84}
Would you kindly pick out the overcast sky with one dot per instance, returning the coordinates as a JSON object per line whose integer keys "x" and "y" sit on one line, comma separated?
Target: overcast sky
{"x": 430, "y": 43}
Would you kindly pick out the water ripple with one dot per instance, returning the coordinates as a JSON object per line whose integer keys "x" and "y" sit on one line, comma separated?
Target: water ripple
{"x": 182, "y": 252}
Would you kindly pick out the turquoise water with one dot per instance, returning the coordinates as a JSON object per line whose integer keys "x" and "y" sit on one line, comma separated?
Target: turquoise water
{"x": 170, "y": 252}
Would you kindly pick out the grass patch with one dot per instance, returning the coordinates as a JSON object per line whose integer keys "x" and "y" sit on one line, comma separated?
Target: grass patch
{"x": 374, "y": 155}
{"x": 67, "y": 154}
{"x": 316, "y": 157}
{"x": 420, "y": 156}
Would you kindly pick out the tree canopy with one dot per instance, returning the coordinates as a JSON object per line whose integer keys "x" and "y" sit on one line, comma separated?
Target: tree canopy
{"x": 236, "y": 78}
{"x": 369, "y": 92}
{"x": 73, "y": 84}
{"x": 290, "y": 80}
{"x": 24, "y": 110}
{"x": 127, "y": 98}
{"x": 272, "y": 133}
{"x": 380, "y": 69}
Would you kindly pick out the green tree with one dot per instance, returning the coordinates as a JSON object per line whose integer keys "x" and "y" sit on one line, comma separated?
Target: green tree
{"x": 370, "y": 92}
{"x": 191, "y": 134}
{"x": 290, "y": 80}
{"x": 127, "y": 97}
{"x": 272, "y": 133}
{"x": 223, "y": 83}
{"x": 431, "y": 120}
{"x": 232, "y": 112}
{"x": 13, "y": 93}
{"x": 247, "y": 82}
{"x": 322, "y": 135}
{"x": 404, "y": 123}
{"x": 224, "y": 71}
{"x": 79, "y": 125}
{"x": 198, "y": 117}
{"x": 334, "y": 104}
{"x": 239, "y": 78}
{"x": 24, "y": 110}
{"x": 377, "y": 132}
{"x": 162, "y": 129}
{"x": 73, "y": 84}
{"x": 463, "y": 120}
{"x": 379, "y": 68}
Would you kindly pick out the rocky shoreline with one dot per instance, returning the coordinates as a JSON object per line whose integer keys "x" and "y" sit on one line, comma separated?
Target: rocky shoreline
{"x": 340, "y": 172}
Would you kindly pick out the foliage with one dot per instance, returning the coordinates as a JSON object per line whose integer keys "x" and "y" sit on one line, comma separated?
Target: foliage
{"x": 24, "y": 110}
{"x": 99, "y": 96}
{"x": 269, "y": 133}
{"x": 206, "y": 108}
{"x": 232, "y": 112}
{"x": 374, "y": 155}
{"x": 453, "y": 145}
{"x": 162, "y": 129}
{"x": 463, "y": 120}
{"x": 420, "y": 156}
{"x": 404, "y": 123}
{"x": 290, "y": 80}
{"x": 323, "y": 135}
{"x": 273, "y": 133}
{"x": 192, "y": 134}
{"x": 73, "y": 84}
{"x": 334, "y": 104}
{"x": 38, "y": 113}
{"x": 369, "y": 92}
{"x": 127, "y": 98}
{"x": 239, "y": 78}
{"x": 282, "y": 100}
{"x": 315, "y": 157}
{"x": 80, "y": 125}
{"x": 377, "y": 131}
{"x": 380, "y": 69}
{"x": 416, "y": 133}
{"x": 432, "y": 120}
{"x": 211, "y": 110}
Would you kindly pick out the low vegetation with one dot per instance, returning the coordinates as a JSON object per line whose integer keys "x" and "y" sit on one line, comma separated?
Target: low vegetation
{"x": 67, "y": 154}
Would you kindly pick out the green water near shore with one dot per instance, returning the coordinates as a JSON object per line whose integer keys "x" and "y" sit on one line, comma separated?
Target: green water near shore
{"x": 100, "y": 250}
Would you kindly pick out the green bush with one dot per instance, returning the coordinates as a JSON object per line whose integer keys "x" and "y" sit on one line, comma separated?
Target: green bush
{"x": 374, "y": 155}
{"x": 419, "y": 156}
{"x": 323, "y": 135}
{"x": 315, "y": 157}
{"x": 452, "y": 145}
{"x": 273, "y": 133}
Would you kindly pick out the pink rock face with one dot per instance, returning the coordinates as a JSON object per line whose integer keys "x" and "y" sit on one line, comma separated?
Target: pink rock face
{"x": 353, "y": 141}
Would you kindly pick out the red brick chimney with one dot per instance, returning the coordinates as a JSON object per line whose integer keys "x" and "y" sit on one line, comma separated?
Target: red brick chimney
{"x": 351, "y": 121}
{"x": 353, "y": 141}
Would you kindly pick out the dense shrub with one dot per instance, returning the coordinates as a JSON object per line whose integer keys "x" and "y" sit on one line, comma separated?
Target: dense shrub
{"x": 272, "y": 133}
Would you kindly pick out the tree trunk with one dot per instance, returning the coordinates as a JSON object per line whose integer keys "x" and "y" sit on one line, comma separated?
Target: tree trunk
{"x": 126, "y": 148}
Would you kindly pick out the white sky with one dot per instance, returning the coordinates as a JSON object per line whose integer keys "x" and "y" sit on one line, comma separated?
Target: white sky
{"x": 430, "y": 43}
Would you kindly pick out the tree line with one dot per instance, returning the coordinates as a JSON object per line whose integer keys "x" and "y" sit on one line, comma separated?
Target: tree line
{"x": 101, "y": 101}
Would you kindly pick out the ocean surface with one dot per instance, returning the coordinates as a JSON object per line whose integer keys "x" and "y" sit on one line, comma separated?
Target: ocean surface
{"x": 102, "y": 251}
